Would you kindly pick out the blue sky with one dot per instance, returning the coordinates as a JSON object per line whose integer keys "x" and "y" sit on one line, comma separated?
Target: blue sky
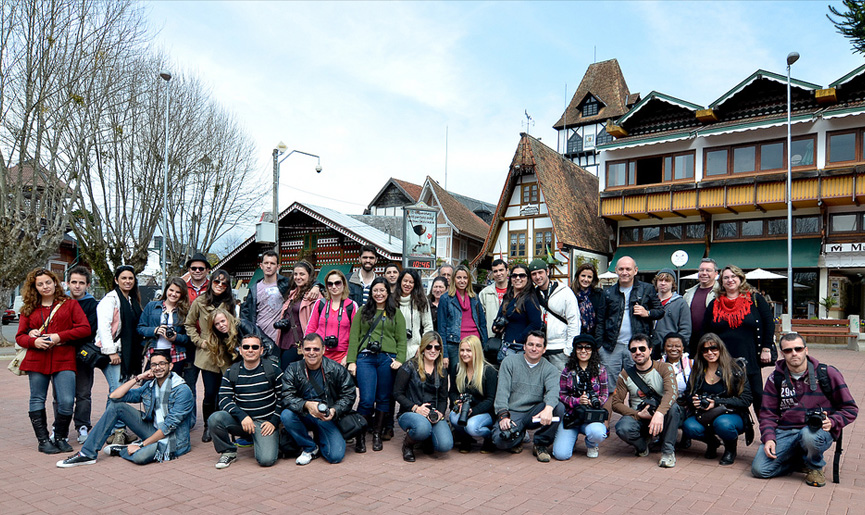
{"x": 370, "y": 87}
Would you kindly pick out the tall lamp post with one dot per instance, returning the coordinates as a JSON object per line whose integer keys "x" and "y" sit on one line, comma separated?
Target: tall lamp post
{"x": 166, "y": 76}
{"x": 279, "y": 151}
{"x": 792, "y": 57}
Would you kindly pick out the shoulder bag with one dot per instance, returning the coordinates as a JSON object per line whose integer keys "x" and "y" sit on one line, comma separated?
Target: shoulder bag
{"x": 21, "y": 352}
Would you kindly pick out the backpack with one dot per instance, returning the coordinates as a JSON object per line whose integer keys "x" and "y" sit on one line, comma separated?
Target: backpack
{"x": 349, "y": 311}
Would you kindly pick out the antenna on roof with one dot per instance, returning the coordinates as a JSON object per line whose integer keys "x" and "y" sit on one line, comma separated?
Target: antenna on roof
{"x": 446, "y": 157}
{"x": 565, "y": 149}
{"x": 530, "y": 122}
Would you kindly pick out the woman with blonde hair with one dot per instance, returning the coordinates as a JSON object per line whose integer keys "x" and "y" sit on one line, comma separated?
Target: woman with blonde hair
{"x": 421, "y": 389}
{"x": 474, "y": 389}
{"x": 460, "y": 315}
{"x": 331, "y": 317}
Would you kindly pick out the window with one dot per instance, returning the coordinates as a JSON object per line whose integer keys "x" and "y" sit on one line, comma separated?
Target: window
{"x": 805, "y": 225}
{"x": 590, "y": 108}
{"x": 575, "y": 143}
{"x": 672, "y": 232}
{"x": 716, "y": 162}
{"x": 802, "y": 153}
{"x": 772, "y": 156}
{"x": 695, "y": 231}
{"x": 530, "y": 193}
{"x": 517, "y": 244}
{"x": 662, "y": 233}
{"x": 744, "y": 159}
{"x": 759, "y": 157}
{"x": 726, "y": 230}
{"x": 845, "y": 222}
{"x": 652, "y": 233}
{"x": 651, "y": 170}
{"x": 767, "y": 227}
{"x": 842, "y": 147}
{"x": 543, "y": 240}
{"x": 778, "y": 227}
{"x": 629, "y": 235}
{"x": 603, "y": 137}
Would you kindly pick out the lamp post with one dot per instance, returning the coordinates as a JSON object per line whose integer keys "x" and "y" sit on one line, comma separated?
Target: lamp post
{"x": 792, "y": 57}
{"x": 166, "y": 76}
{"x": 278, "y": 151}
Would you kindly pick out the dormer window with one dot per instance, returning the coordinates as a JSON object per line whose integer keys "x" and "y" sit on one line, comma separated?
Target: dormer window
{"x": 590, "y": 107}
{"x": 575, "y": 143}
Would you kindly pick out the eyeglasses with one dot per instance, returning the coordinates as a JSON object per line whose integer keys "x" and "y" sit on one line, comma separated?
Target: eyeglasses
{"x": 160, "y": 364}
{"x": 789, "y": 350}
{"x": 641, "y": 348}
{"x": 250, "y": 347}
{"x": 583, "y": 347}
{"x": 433, "y": 347}
{"x": 331, "y": 284}
{"x": 220, "y": 282}
{"x": 197, "y": 268}
{"x": 714, "y": 348}
{"x": 312, "y": 349}
{"x": 519, "y": 276}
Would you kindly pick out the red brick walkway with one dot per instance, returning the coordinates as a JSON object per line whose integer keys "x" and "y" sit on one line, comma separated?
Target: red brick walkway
{"x": 617, "y": 482}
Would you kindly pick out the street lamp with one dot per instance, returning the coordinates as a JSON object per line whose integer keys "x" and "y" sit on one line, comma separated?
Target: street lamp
{"x": 166, "y": 76}
{"x": 278, "y": 151}
{"x": 792, "y": 57}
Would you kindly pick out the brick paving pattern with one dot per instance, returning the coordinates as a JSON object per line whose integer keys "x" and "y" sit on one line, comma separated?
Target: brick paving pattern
{"x": 615, "y": 483}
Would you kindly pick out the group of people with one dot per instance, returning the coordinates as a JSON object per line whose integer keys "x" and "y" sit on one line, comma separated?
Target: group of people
{"x": 523, "y": 354}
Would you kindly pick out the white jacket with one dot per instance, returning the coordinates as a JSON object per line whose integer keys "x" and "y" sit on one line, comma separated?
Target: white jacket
{"x": 563, "y": 302}
{"x": 689, "y": 296}
{"x": 108, "y": 323}
{"x": 414, "y": 321}
{"x": 489, "y": 300}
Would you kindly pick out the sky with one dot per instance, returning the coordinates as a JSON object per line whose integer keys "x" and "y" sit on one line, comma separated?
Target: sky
{"x": 374, "y": 87}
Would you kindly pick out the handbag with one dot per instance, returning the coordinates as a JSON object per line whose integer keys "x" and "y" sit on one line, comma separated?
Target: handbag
{"x": 584, "y": 415}
{"x": 351, "y": 424}
{"x": 706, "y": 417}
{"x": 21, "y": 352}
{"x": 89, "y": 355}
{"x": 492, "y": 348}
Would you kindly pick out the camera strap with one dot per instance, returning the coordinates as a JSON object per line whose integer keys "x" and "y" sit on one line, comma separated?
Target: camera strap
{"x": 315, "y": 386}
{"x": 371, "y": 329}
{"x": 646, "y": 389}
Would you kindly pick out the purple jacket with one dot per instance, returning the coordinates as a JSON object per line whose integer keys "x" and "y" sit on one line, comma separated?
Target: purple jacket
{"x": 786, "y": 409}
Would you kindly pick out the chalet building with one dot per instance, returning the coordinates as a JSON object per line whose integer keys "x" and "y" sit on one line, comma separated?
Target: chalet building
{"x": 547, "y": 209}
{"x": 602, "y": 96}
{"x": 712, "y": 181}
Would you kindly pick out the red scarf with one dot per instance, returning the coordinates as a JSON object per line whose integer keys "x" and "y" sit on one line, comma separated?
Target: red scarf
{"x": 732, "y": 311}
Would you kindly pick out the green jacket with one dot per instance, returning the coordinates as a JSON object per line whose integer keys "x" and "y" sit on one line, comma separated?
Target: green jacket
{"x": 389, "y": 331}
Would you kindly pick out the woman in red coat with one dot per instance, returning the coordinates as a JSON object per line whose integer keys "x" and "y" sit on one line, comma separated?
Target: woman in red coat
{"x": 49, "y": 320}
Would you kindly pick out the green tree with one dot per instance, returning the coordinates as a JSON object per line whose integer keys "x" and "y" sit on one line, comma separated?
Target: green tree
{"x": 851, "y": 23}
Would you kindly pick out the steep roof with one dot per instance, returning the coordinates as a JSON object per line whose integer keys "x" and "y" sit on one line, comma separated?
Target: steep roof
{"x": 456, "y": 213}
{"x": 605, "y": 82}
{"x": 412, "y": 190}
{"x": 409, "y": 189}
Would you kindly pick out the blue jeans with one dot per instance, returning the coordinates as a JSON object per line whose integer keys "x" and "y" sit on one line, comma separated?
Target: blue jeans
{"x": 222, "y": 423}
{"x": 330, "y": 440}
{"x": 789, "y": 444}
{"x": 727, "y": 427}
{"x": 635, "y": 431}
{"x": 522, "y": 420}
{"x": 452, "y": 353}
{"x": 130, "y": 417}
{"x": 64, "y": 389}
{"x": 476, "y": 426}
{"x": 563, "y": 445}
{"x": 112, "y": 376}
{"x": 615, "y": 361}
{"x": 419, "y": 428}
{"x": 375, "y": 381}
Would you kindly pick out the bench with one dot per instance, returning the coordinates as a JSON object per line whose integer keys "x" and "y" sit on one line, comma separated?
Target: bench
{"x": 827, "y": 331}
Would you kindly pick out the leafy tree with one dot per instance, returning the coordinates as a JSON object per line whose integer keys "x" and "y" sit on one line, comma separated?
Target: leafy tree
{"x": 851, "y": 23}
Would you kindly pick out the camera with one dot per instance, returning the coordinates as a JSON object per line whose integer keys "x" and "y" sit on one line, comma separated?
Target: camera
{"x": 330, "y": 342}
{"x": 499, "y": 323}
{"x": 586, "y": 389}
{"x": 408, "y": 334}
{"x": 814, "y": 418}
{"x": 170, "y": 332}
{"x": 465, "y": 407}
{"x": 510, "y": 434}
{"x": 434, "y": 416}
{"x": 374, "y": 347}
{"x": 651, "y": 405}
{"x": 705, "y": 399}
{"x": 323, "y": 408}
{"x": 283, "y": 324}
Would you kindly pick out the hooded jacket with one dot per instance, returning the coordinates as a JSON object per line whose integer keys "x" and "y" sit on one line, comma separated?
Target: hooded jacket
{"x": 677, "y": 319}
{"x": 563, "y": 302}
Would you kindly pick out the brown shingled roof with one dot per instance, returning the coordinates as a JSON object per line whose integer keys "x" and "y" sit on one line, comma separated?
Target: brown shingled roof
{"x": 605, "y": 81}
{"x": 413, "y": 190}
{"x": 459, "y": 215}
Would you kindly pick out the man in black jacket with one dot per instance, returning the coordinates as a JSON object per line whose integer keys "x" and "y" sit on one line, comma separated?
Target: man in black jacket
{"x": 263, "y": 303}
{"x": 316, "y": 392}
{"x": 613, "y": 330}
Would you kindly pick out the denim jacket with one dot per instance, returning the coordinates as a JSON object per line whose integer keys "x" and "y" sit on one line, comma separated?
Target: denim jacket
{"x": 177, "y": 423}
{"x": 450, "y": 317}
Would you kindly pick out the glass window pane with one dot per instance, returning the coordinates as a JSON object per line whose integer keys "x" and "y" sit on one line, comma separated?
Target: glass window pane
{"x": 772, "y": 156}
{"x": 802, "y": 152}
{"x": 651, "y": 233}
{"x": 716, "y": 162}
{"x": 726, "y": 230}
{"x": 743, "y": 159}
{"x": 629, "y": 235}
{"x": 806, "y": 224}
{"x": 668, "y": 168}
{"x": 632, "y": 172}
{"x": 672, "y": 232}
{"x": 777, "y": 227}
{"x": 842, "y": 147}
{"x": 752, "y": 228}
{"x": 616, "y": 174}
{"x": 685, "y": 166}
{"x": 695, "y": 231}
{"x": 843, "y": 223}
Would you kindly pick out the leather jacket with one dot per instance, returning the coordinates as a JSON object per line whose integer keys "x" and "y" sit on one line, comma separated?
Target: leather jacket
{"x": 339, "y": 387}
{"x": 611, "y": 308}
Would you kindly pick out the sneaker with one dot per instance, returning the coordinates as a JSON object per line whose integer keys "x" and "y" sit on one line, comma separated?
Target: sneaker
{"x": 226, "y": 459}
{"x": 668, "y": 461}
{"x": 75, "y": 460}
{"x": 113, "y": 449}
{"x": 242, "y": 442}
{"x": 642, "y": 453}
{"x": 592, "y": 452}
{"x": 118, "y": 437}
{"x": 542, "y": 453}
{"x": 305, "y": 457}
{"x": 815, "y": 477}
{"x": 516, "y": 449}
{"x": 82, "y": 434}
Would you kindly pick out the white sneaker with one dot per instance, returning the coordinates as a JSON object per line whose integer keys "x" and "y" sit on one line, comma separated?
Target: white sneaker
{"x": 306, "y": 457}
{"x": 82, "y": 434}
{"x": 668, "y": 461}
{"x": 592, "y": 452}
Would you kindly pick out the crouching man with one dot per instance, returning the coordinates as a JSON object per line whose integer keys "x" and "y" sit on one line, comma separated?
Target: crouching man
{"x": 316, "y": 392}
{"x": 162, "y": 428}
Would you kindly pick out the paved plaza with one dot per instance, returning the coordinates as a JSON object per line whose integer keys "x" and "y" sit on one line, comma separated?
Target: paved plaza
{"x": 617, "y": 482}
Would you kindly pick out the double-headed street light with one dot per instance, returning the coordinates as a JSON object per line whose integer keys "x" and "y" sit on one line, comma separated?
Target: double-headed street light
{"x": 792, "y": 57}
{"x": 279, "y": 151}
{"x": 166, "y": 76}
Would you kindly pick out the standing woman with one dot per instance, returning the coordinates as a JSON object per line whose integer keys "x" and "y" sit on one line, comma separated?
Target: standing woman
{"x": 295, "y": 313}
{"x": 117, "y": 317}
{"x": 743, "y": 320}
{"x": 461, "y": 315}
{"x": 723, "y": 413}
{"x": 588, "y": 294}
{"x": 332, "y": 316}
{"x": 161, "y": 322}
{"x": 391, "y": 274}
{"x": 520, "y": 311}
{"x": 477, "y": 380}
{"x": 377, "y": 346}
{"x": 438, "y": 288}
{"x": 198, "y": 323}
{"x": 421, "y": 388}
{"x": 415, "y": 309}
{"x": 49, "y": 321}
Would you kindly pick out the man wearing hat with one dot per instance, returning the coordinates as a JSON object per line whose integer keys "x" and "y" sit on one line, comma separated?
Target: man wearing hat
{"x": 561, "y": 313}
{"x": 198, "y": 267}
{"x": 677, "y": 314}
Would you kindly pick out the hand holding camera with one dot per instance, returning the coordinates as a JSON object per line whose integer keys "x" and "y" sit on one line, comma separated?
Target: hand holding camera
{"x": 465, "y": 409}
{"x": 499, "y": 324}
{"x": 704, "y": 402}
{"x": 423, "y": 410}
{"x": 817, "y": 419}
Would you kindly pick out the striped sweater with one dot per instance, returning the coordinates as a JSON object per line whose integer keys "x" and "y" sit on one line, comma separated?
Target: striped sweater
{"x": 252, "y": 395}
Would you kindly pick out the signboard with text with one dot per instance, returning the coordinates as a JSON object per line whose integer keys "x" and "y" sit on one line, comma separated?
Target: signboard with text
{"x": 419, "y": 236}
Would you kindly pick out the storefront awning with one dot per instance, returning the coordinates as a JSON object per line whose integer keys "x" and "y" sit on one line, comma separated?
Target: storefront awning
{"x": 651, "y": 258}
{"x": 766, "y": 254}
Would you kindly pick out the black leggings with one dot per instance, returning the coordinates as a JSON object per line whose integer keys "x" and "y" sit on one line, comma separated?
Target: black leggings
{"x": 755, "y": 380}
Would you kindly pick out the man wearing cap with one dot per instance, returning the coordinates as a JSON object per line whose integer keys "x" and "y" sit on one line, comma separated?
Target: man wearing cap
{"x": 561, "y": 313}
{"x": 677, "y": 314}
{"x": 699, "y": 296}
{"x": 197, "y": 266}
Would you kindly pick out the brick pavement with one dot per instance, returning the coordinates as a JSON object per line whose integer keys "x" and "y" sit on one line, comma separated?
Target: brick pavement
{"x": 617, "y": 482}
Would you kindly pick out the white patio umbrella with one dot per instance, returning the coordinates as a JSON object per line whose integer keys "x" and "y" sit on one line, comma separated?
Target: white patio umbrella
{"x": 759, "y": 273}
{"x": 695, "y": 275}
{"x": 608, "y": 275}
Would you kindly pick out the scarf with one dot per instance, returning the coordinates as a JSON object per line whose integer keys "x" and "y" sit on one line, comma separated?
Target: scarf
{"x": 131, "y": 352}
{"x": 731, "y": 311}
{"x": 464, "y": 302}
{"x": 587, "y": 311}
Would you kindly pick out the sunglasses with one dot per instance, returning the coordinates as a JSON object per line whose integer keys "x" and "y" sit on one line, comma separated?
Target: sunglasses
{"x": 706, "y": 350}
{"x": 197, "y": 268}
{"x": 250, "y": 347}
{"x": 161, "y": 364}
{"x": 641, "y": 348}
{"x": 331, "y": 284}
{"x": 789, "y": 350}
{"x": 583, "y": 347}
{"x": 519, "y": 276}
{"x": 433, "y": 347}
{"x": 312, "y": 349}
{"x": 220, "y": 282}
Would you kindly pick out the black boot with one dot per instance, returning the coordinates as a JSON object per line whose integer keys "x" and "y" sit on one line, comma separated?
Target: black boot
{"x": 207, "y": 409}
{"x": 61, "y": 432}
{"x": 360, "y": 440}
{"x": 712, "y": 445}
{"x": 40, "y": 427}
{"x": 408, "y": 449}
{"x": 378, "y": 426}
{"x": 729, "y": 452}
{"x": 387, "y": 432}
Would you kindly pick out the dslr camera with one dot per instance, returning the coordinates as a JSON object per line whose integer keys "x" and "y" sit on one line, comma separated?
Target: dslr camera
{"x": 651, "y": 404}
{"x": 374, "y": 347}
{"x": 434, "y": 416}
{"x": 170, "y": 332}
{"x": 323, "y": 408}
{"x": 511, "y": 434}
{"x": 586, "y": 389}
{"x": 330, "y": 342}
{"x": 705, "y": 399}
{"x": 814, "y": 418}
{"x": 465, "y": 407}
{"x": 499, "y": 323}
{"x": 283, "y": 324}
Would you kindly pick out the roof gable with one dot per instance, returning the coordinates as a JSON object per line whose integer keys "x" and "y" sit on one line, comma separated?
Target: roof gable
{"x": 659, "y": 112}
{"x": 396, "y": 192}
{"x": 456, "y": 214}
{"x": 762, "y": 75}
{"x": 605, "y": 82}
